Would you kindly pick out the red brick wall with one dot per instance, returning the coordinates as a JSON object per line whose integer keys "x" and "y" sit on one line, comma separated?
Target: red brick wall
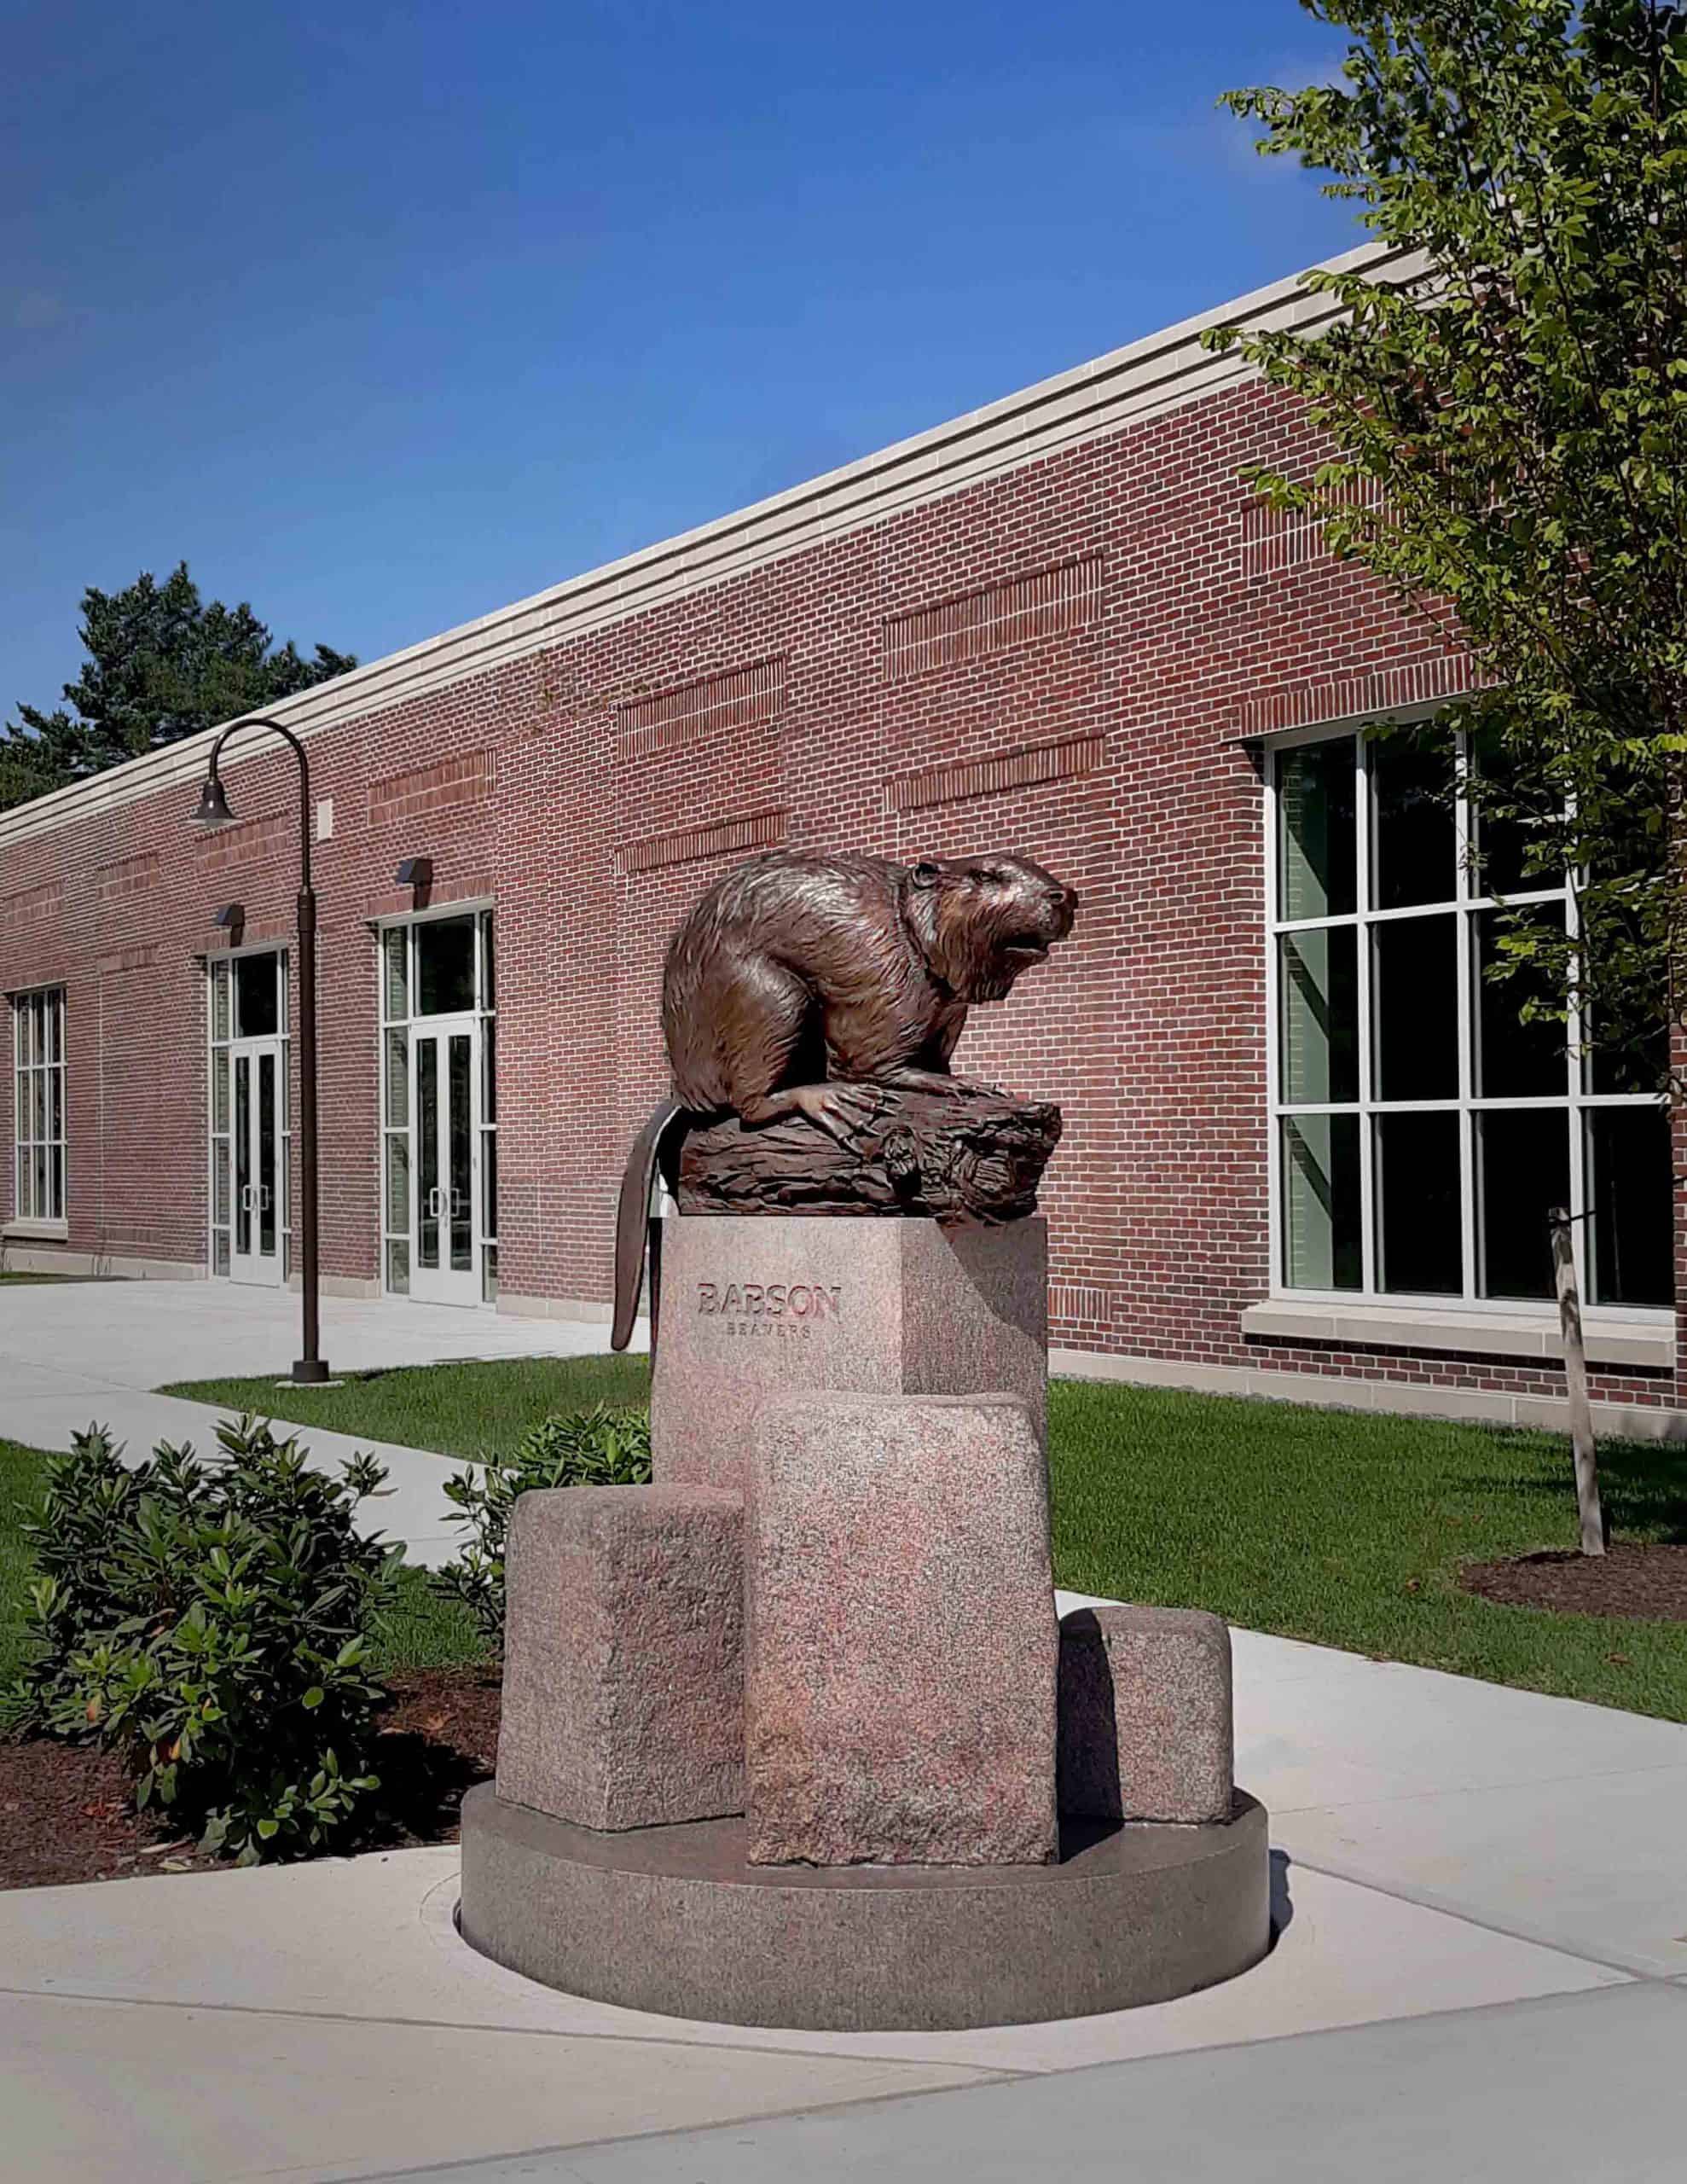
{"x": 1063, "y": 660}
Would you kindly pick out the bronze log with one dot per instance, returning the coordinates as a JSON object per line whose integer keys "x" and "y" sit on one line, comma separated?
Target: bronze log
{"x": 965, "y": 1154}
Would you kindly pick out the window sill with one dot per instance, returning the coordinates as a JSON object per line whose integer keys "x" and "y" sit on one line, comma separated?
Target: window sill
{"x": 35, "y": 1232}
{"x": 1488, "y": 1334}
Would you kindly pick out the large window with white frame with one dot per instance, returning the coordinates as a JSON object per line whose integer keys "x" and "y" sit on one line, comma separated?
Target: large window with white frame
{"x": 1420, "y": 1128}
{"x": 38, "y": 1109}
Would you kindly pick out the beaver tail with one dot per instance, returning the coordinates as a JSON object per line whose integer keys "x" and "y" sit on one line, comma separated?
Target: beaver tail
{"x": 632, "y": 1219}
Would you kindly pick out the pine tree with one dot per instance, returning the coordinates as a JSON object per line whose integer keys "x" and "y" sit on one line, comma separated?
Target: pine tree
{"x": 162, "y": 663}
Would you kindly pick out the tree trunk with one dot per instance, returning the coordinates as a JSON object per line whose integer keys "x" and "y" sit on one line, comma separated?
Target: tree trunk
{"x": 1575, "y": 1378}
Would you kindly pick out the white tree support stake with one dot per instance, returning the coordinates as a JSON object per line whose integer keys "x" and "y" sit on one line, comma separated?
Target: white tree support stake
{"x": 1575, "y": 1380}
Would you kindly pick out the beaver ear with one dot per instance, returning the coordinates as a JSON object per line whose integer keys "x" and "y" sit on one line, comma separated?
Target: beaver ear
{"x": 926, "y": 873}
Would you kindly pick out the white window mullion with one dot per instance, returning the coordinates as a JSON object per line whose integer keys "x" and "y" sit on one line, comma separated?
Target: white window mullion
{"x": 1274, "y": 1088}
{"x": 1466, "y": 964}
{"x": 1369, "y": 1256}
{"x": 1581, "y": 1240}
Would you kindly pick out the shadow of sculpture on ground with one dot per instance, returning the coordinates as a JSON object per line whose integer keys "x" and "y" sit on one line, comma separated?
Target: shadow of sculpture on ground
{"x": 1282, "y": 1902}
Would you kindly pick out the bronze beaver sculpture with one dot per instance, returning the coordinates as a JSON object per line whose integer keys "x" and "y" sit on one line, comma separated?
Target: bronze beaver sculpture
{"x": 799, "y": 979}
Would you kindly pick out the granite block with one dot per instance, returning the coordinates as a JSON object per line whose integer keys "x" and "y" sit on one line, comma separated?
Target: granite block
{"x": 755, "y": 1305}
{"x": 901, "y": 1642}
{"x": 623, "y": 1655}
{"x": 1145, "y": 1720}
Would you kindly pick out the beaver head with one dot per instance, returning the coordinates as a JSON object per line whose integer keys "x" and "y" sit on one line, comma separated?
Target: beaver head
{"x": 981, "y": 921}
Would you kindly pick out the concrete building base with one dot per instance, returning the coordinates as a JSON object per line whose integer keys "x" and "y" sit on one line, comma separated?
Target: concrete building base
{"x": 19, "y": 1254}
{"x": 675, "y": 1920}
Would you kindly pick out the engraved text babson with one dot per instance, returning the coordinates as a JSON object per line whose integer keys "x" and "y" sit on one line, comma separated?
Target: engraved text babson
{"x": 773, "y": 1300}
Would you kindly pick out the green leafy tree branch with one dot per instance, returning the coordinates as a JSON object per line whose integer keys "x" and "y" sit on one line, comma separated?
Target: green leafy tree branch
{"x": 1504, "y": 405}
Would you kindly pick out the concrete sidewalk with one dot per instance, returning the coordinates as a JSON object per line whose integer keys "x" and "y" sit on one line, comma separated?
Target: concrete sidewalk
{"x": 1555, "y": 2091}
{"x": 1480, "y": 1969}
{"x": 76, "y": 1353}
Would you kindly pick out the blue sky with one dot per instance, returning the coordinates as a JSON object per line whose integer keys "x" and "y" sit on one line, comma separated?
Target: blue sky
{"x": 383, "y": 316}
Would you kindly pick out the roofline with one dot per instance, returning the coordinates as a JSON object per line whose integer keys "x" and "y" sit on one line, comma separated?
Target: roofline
{"x": 1159, "y": 372}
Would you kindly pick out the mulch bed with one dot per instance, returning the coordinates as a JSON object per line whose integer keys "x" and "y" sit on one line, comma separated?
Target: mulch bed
{"x": 67, "y": 1811}
{"x": 1645, "y": 1584}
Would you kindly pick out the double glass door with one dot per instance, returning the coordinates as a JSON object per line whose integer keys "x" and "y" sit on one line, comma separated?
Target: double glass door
{"x": 256, "y": 1252}
{"x": 447, "y": 1165}
{"x": 440, "y": 1110}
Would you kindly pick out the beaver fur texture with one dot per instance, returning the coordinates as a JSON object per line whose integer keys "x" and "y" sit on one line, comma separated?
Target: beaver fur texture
{"x": 798, "y": 971}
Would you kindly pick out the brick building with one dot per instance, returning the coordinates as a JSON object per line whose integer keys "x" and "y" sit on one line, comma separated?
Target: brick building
{"x": 1303, "y": 1152}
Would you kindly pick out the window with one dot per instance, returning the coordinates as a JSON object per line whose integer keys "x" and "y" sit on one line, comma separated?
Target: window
{"x": 38, "y": 1046}
{"x": 1421, "y": 1130}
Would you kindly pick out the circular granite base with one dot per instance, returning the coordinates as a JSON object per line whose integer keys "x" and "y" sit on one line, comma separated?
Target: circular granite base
{"x": 674, "y": 1920}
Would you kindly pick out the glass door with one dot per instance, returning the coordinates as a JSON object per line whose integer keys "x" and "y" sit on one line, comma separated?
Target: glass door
{"x": 445, "y": 1270}
{"x": 256, "y": 1253}
{"x": 439, "y": 1109}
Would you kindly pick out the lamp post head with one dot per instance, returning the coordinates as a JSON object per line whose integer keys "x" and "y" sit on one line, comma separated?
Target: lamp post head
{"x": 213, "y": 805}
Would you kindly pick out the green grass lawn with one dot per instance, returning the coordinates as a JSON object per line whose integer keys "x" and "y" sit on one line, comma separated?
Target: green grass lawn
{"x": 21, "y": 1474}
{"x": 421, "y": 1631}
{"x": 461, "y": 1409}
{"x": 32, "y": 1278}
{"x": 1348, "y": 1529}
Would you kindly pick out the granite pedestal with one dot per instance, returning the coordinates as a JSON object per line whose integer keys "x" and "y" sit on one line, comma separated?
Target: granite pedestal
{"x": 676, "y": 1920}
{"x": 754, "y": 1305}
{"x": 899, "y": 1715}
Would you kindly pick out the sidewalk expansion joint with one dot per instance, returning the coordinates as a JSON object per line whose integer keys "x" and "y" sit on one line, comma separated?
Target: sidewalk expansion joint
{"x": 984, "y": 2072}
{"x": 1631, "y": 1968}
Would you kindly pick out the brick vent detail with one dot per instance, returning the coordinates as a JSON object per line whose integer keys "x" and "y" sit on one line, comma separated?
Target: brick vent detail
{"x": 1030, "y": 769}
{"x": 1274, "y": 539}
{"x": 1063, "y": 598}
{"x": 763, "y": 830}
{"x": 30, "y": 906}
{"x": 253, "y": 839}
{"x": 742, "y": 697}
{"x": 446, "y": 786}
{"x": 132, "y": 875}
{"x": 1304, "y": 705}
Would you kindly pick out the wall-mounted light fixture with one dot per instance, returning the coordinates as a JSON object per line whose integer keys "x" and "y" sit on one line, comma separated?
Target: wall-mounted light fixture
{"x": 230, "y": 918}
{"x": 416, "y": 872}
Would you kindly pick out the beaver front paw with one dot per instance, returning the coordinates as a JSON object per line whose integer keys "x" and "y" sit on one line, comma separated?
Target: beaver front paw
{"x": 844, "y": 1111}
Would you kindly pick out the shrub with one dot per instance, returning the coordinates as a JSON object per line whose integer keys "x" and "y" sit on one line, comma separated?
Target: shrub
{"x": 210, "y": 1620}
{"x": 599, "y": 1447}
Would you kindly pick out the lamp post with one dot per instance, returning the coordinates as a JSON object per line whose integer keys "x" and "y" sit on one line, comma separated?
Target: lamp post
{"x": 310, "y": 1369}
